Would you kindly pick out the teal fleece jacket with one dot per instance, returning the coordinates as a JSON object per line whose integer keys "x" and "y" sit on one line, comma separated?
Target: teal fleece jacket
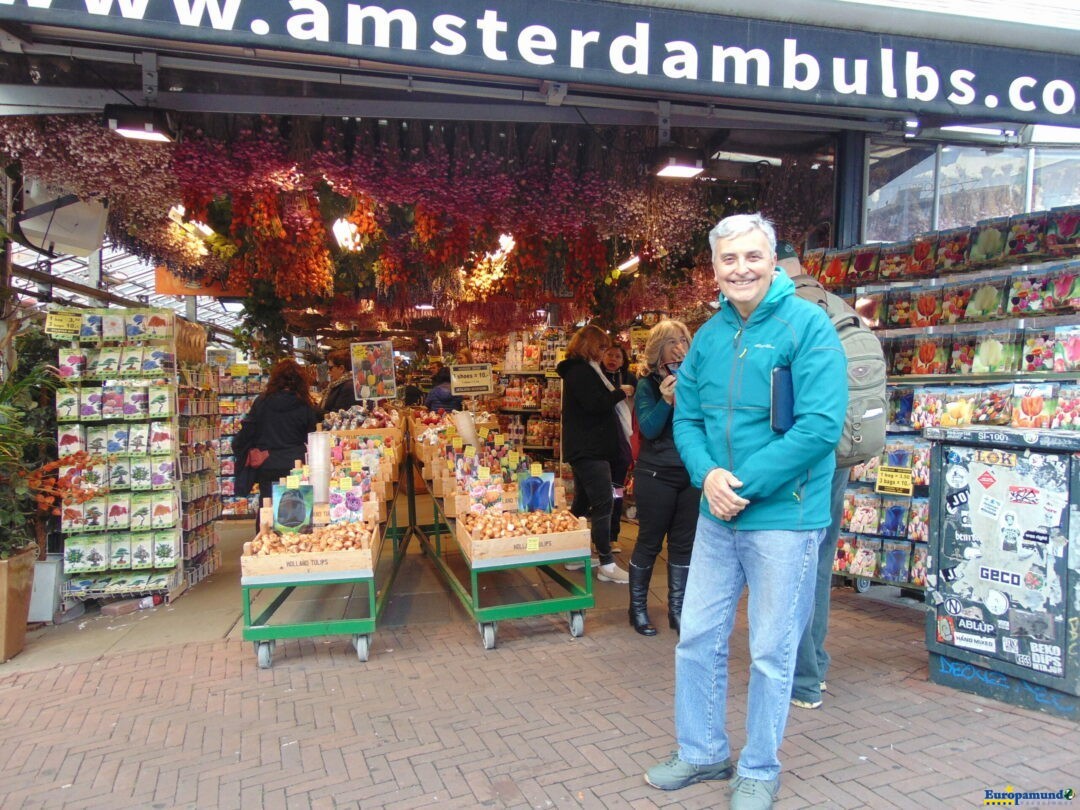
{"x": 722, "y": 415}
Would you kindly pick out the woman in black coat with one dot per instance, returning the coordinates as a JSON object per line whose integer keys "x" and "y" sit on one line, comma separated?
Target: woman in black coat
{"x": 339, "y": 394}
{"x": 280, "y": 419}
{"x": 591, "y": 438}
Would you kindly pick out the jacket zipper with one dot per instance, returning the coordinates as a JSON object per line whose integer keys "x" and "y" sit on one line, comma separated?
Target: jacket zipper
{"x": 731, "y": 396}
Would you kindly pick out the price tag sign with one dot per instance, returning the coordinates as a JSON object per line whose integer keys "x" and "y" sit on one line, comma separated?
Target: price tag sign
{"x": 532, "y": 544}
{"x": 894, "y": 481}
{"x": 514, "y": 458}
{"x": 292, "y": 482}
{"x": 483, "y": 474}
{"x": 63, "y": 324}
{"x": 500, "y": 440}
{"x": 471, "y": 379}
{"x": 484, "y": 432}
{"x": 470, "y": 452}
{"x": 344, "y": 483}
{"x": 536, "y": 469}
{"x": 238, "y": 370}
{"x": 451, "y": 431}
{"x": 456, "y": 443}
{"x": 356, "y": 466}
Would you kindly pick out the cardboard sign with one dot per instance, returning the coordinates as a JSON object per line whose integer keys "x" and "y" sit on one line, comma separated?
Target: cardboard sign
{"x": 373, "y": 370}
{"x": 63, "y": 324}
{"x": 471, "y": 379}
{"x": 894, "y": 481}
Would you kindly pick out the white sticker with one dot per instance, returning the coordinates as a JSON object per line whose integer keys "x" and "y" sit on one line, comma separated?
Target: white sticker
{"x": 956, "y": 477}
{"x": 1052, "y": 508}
{"x": 990, "y": 507}
{"x": 996, "y": 602}
{"x": 973, "y": 642}
{"x": 1010, "y": 645}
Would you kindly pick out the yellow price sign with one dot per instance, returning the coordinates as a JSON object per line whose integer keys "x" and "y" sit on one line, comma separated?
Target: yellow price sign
{"x": 484, "y": 433}
{"x": 63, "y": 324}
{"x": 894, "y": 481}
{"x": 292, "y": 482}
{"x": 513, "y": 457}
{"x": 470, "y": 452}
{"x": 451, "y": 431}
{"x": 456, "y": 443}
{"x": 356, "y": 465}
{"x": 238, "y": 370}
{"x": 449, "y": 465}
{"x": 344, "y": 483}
{"x": 536, "y": 469}
{"x": 483, "y": 474}
{"x": 500, "y": 440}
{"x": 532, "y": 544}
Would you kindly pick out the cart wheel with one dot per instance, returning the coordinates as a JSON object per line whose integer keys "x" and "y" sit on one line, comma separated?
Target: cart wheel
{"x": 363, "y": 646}
{"x": 577, "y": 623}
{"x": 265, "y": 653}
{"x": 861, "y": 584}
{"x": 487, "y": 630}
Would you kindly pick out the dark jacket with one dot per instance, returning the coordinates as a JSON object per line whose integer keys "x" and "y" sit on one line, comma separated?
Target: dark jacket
{"x": 279, "y": 423}
{"x": 590, "y": 427}
{"x": 339, "y": 395}
{"x": 440, "y": 397}
{"x": 654, "y": 418}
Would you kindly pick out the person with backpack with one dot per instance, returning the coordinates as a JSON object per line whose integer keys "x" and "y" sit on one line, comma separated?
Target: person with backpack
{"x": 863, "y": 437}
{"x": 765, "y": 474}
{"x": 667, "y": 500}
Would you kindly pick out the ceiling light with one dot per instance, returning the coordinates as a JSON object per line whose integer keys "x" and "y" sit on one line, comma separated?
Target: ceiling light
{"x": 626, "y": 266}
{"x": 911, "y": 124}
{"x": 140, "y": 123}
{"x": 1047, "y": 133}
{"x": 424, "y": 307}
{"x": 232, "y": 306}
{"x": 968, "y": 130}
{"x": 675, "y": 161}
{"x": 747, "y": 157}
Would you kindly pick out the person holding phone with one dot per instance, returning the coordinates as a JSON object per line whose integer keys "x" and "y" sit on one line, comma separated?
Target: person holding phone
{"x": 667, "y": 499}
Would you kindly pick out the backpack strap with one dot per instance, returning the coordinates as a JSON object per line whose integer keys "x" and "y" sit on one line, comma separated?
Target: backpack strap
{"x": 809, "y": 289}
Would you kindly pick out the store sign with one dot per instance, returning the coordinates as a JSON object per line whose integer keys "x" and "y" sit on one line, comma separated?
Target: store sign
{"x": 471, "y": 379}
{"x": 598, "y": 43}
{"x": 63, "y": 324}
{"x": 373, "y": 370}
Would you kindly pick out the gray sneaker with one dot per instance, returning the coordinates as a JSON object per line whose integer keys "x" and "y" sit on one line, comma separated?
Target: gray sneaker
{"x": 675, "y": 773}
{"x": 753, "y": 794}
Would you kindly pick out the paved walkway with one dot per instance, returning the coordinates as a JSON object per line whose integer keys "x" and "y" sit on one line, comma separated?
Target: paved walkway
{"x": 544, "y": 720}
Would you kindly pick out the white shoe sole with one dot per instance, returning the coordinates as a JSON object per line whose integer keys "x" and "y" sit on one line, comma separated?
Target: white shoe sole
{"x": 600, "y": 575}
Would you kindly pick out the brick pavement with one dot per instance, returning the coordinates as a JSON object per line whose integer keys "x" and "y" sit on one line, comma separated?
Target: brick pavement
{"x": 542, "y": 721}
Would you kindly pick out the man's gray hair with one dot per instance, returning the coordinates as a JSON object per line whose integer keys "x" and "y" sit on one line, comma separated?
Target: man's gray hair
{"x": 737, "y": 225}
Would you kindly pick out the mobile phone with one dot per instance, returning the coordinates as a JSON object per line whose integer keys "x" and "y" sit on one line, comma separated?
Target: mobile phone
{"x": 673, "y": 368}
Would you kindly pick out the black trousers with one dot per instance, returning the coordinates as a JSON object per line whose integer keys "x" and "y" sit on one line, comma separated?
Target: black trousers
{"x": 667, "y": 504}
{"x": 592, "y": 497}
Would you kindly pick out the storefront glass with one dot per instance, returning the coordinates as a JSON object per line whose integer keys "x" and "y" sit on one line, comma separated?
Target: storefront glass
{"x": 1057, "y": 178}
{"x": 977, "y": 183}
{"x": 900, "y": 192}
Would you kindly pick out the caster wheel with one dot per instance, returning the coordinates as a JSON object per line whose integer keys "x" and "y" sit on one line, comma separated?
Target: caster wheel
{"x": 265, "y": 654}
{"x": 363, "y": 646}
{"x": 577, "y": 623}
{"x": 862, "y": 585}
{"x": 488, "y": 632}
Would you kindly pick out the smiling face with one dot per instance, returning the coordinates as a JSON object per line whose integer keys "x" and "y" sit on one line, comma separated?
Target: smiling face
{"x": 744, "y": 267}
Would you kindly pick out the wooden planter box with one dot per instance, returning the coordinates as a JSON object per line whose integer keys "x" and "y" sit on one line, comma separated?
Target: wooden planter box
{"x": 16, "y": 584}
{"x": 311, "y": 562}
{"x": 575, "y": 543}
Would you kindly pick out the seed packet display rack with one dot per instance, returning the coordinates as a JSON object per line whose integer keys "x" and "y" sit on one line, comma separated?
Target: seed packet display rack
{"x": 119, "y": 404}
{"x": 478, "y": 557}
{"x": 311, "y": 571}
{"x": 200, "y": 490}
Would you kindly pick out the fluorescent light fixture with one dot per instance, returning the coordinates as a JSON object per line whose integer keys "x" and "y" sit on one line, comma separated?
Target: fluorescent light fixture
{"x": 963, "y": 128}
{"x": 232, "y": 306}
{"x": 673, "y": 161}
{"x": 747, "y": 157}
{"x": 1048, "y": 133}
{"x": 424, "y": 307}
{"x": 633, "y": 261}
{"x": 140, "y": 123}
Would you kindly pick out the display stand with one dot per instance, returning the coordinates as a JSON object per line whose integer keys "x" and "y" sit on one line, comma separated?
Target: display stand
{"x": 512, "y": 554}
{"x": 264, "y": 634}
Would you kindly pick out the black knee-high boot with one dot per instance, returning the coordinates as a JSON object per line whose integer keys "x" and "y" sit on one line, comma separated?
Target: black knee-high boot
{"x": 639, "y": 600}
{"x": 616, "y": 519}
{"x": 676, "y": 582}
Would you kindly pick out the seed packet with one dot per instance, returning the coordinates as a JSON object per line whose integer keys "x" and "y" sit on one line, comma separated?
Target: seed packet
{"x": 812, "y": 262}
{"x": 90, "y": 328}
{"x": 864, "y": 264}
{"x": 918, "y": 527}
{"x": 894, "y": 516}
{"x": 1063, "y": 231}
{"x": 536, "y": 493}
{"x": 926, "y": 307}
{"x": 119, "y": 474}
{"x": 865, "y": 561}
{"x": 139, "y": 438}
{"x": 848, "y": 508}
{"x": 96, "y": 548}
{"x": 142, "y": 550}
{"x": 922, "y": 264}
{"x": 1062, "y": 291}
{"x": 898, "y": 452}
{"x": 162, "y": 438}
{"x": 1027, "y": 235}
{"x": 867, "y": 472}
{"x": 120, "y": 552}
{"x": 67, "y": 404}
{"x": 1067, "y": 411}
{"x": 901, "y": 400}
{"x": 927, "y": 407}
{"x": 142, "y": 509}
{"x": 131, "y": 358}
{"x": 898, "y": 308}
{"x": 993, "y": 405}
{"x": 871, "y": 308}
{"x": 931, "y": 356}
{"x": 71, "y": 517}
{"x": 952, "y": 250}
{"x": 112, "y": 325}
{"x": 989, "y": 242}
{"x": 135, "y": 324}
{"x": 901, "y": 356}
{"x": 94, "y": 511}
{"x": 162, "y": 473}
{"x": 997, "y": 351}
{"x": 920, "y": 559}
{"x": 867, "y": 515}
{"x": 166, "y": 510}
{"x": 834, "y": 271}
{"x": 986, "y": 303}
{"x": 118, "y": 516}
{"x": 160, "y": 324}
{"x": 142, "y": 472}
{"x": 108, "y": 362}
{"x": 70, "y": 439}
{"x": 112, "y": 402}
{"x": 160, "y": 400}
{"x": 963, "y": 353}
{"x": 97, "y": 439}
{"x": 166, "y": 547}
{"x": 90, "y": 404}
{"x": 893, "y": 261}
{"x": 895, "y": 561}
{"x": 1038, "y": 351}
{"x": 1027, "y": 294}
{"x": 71, "y": 363}
{"x": 959, "y": 406}
{"x": 954, "y": 302}
{"x": 293, "y": 508}
{"x": 1067, "y": 348}
{"x": 136, "y": 402}
{"x": 1034, "y": 404}
{"x": 845, "y": 551}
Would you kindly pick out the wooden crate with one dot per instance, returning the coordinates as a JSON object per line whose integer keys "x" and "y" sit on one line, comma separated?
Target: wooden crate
{"x": 306, "y": 563}
{"x": 395, "y": 434}
{"x": 575, "y": 543}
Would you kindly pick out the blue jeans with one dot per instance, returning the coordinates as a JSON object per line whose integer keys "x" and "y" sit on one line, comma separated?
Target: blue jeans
{"x": 778, "y": 567}
{"x": 811, "y": 659}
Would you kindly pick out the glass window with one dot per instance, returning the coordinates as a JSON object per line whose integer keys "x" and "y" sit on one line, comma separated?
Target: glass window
{"x": 1057, "y": 178}
{"x": 900, "y": 192}
{"x": 978, "y": 183}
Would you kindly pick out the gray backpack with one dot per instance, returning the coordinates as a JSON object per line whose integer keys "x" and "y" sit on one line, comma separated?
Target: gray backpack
{"x": 864, "y": 426}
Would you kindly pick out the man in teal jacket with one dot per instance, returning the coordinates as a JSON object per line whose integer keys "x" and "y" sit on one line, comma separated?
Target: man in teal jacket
{"x": 764, "y": 506}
